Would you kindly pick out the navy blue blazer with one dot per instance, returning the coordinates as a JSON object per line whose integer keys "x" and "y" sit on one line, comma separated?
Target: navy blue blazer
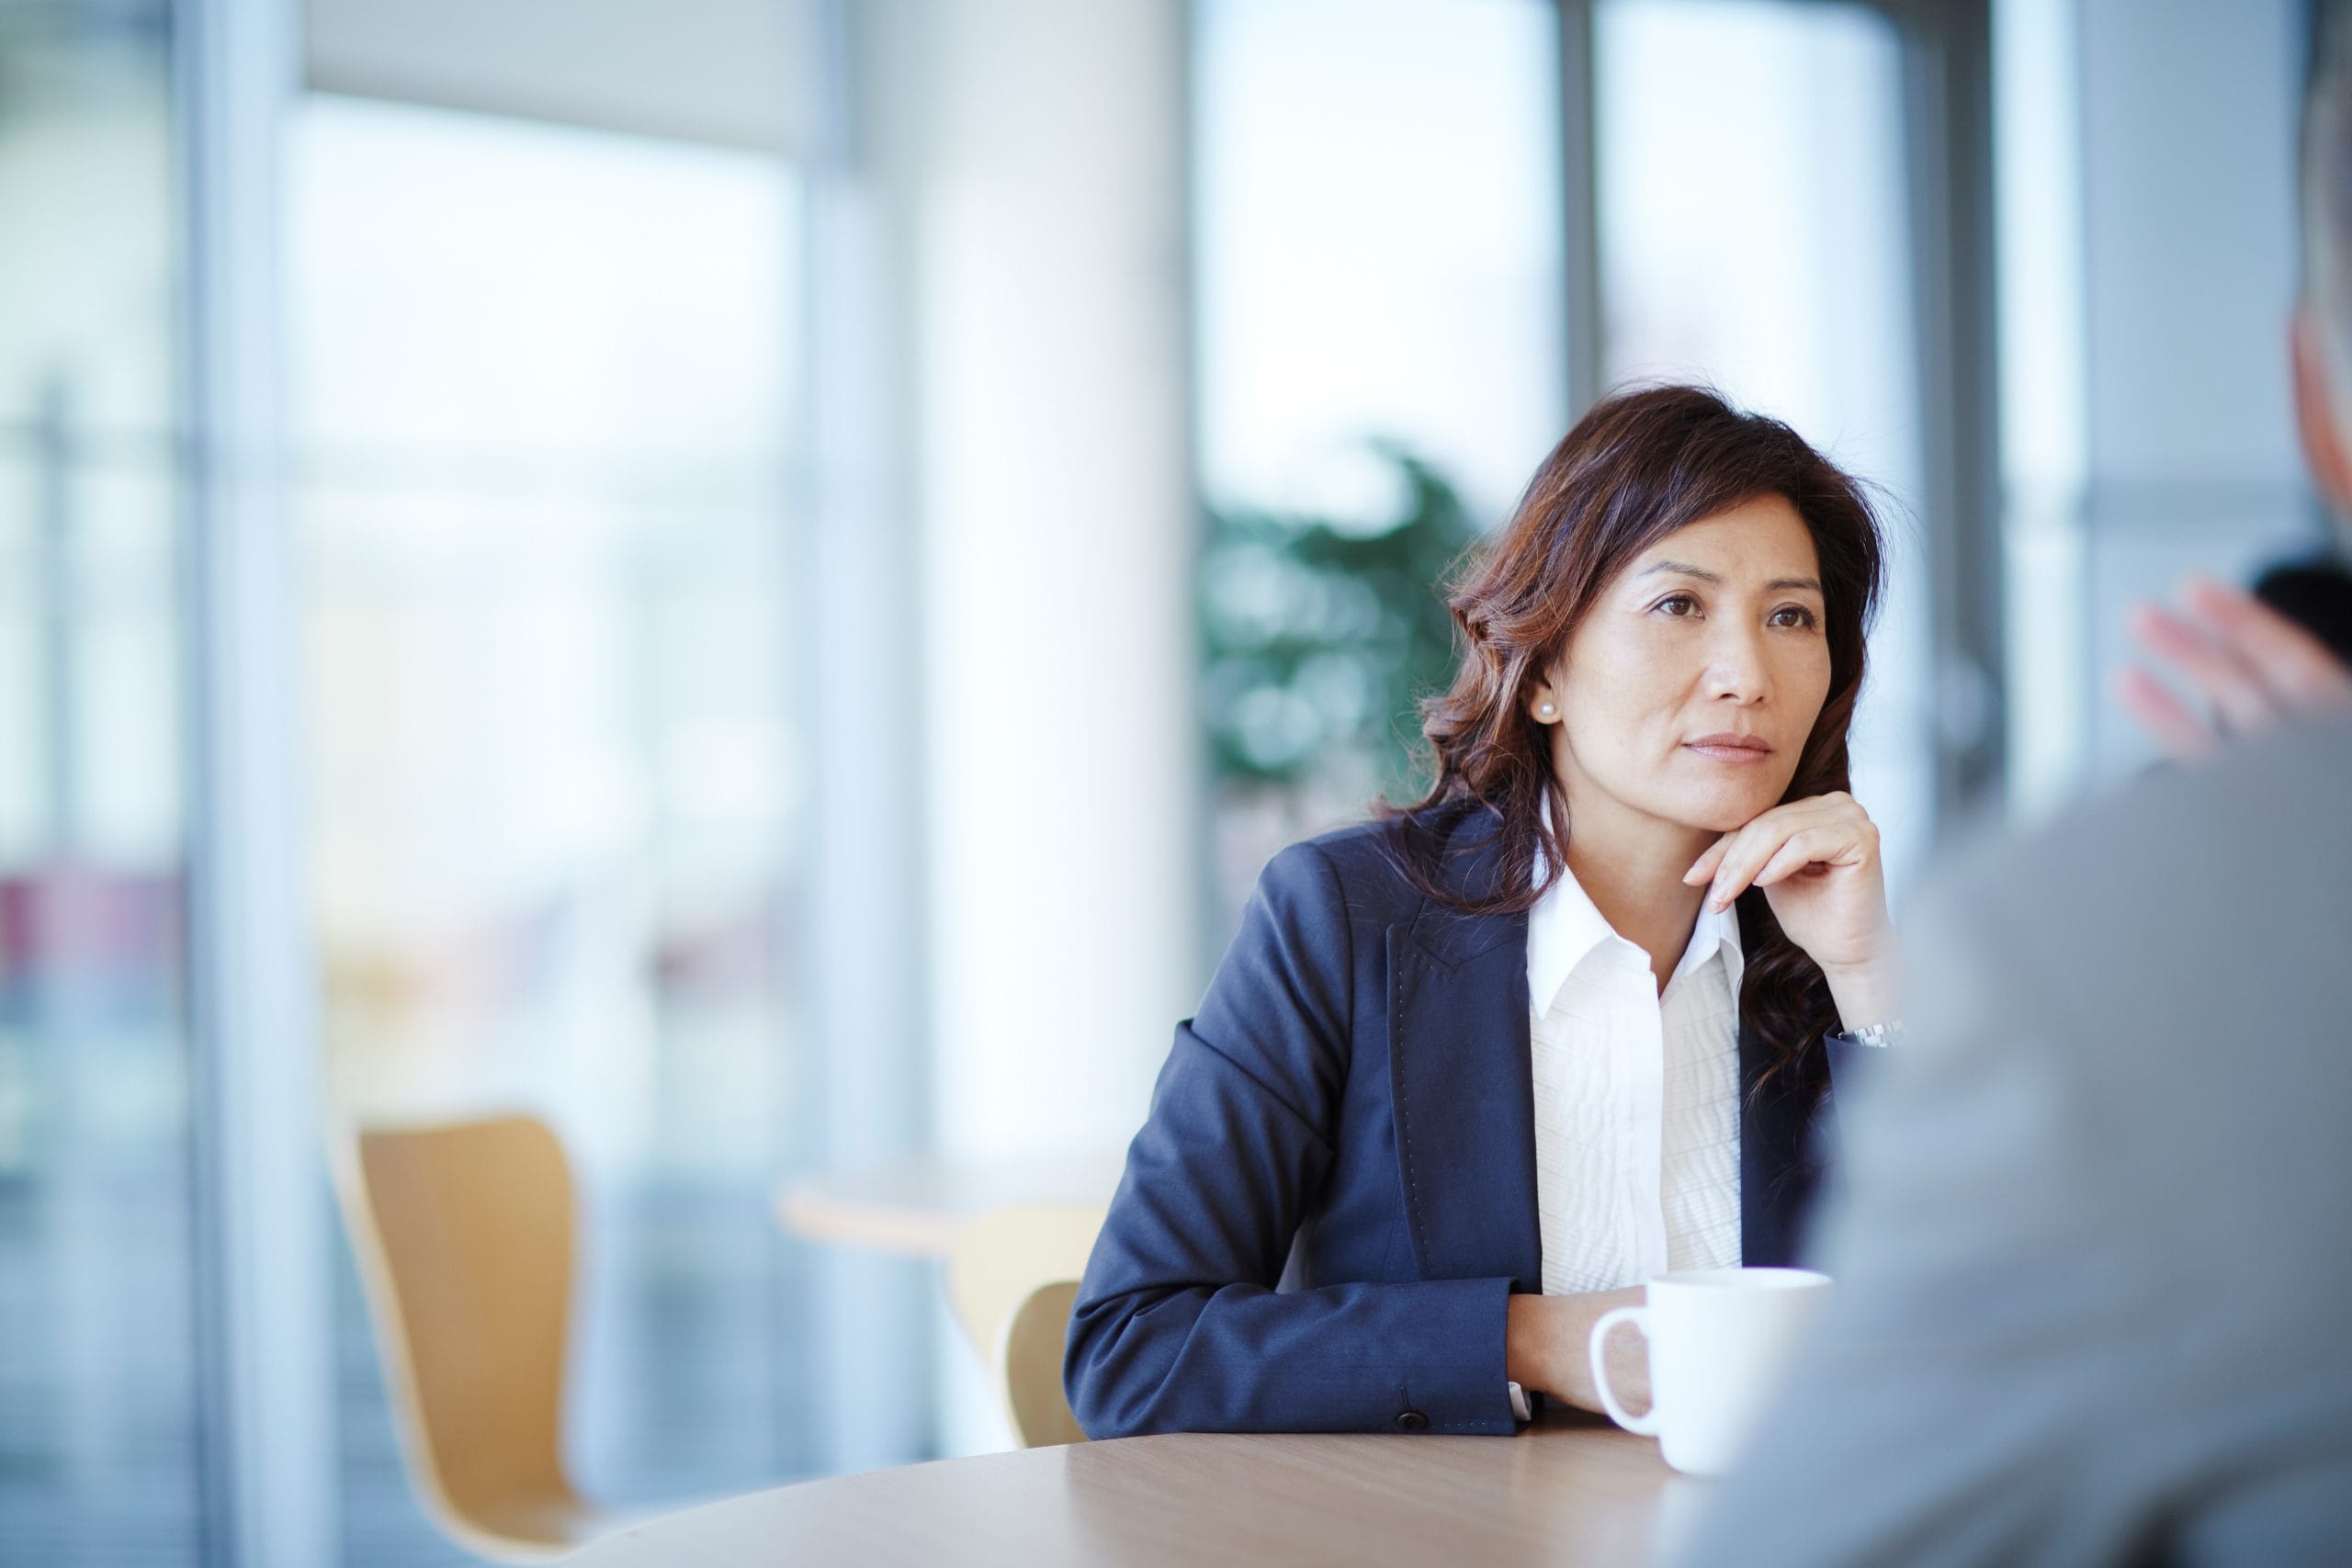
{"x": 1333, "y": 1197}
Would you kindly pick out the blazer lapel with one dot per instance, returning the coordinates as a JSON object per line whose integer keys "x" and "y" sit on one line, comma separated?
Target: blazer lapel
{"x": 1462, "y": 1078}
{"x": 1462, "y": 1083}
{"x": 1764, "y": 1144}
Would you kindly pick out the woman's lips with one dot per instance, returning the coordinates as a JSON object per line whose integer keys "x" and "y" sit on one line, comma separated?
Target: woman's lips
{"x": 1726, "y": 748}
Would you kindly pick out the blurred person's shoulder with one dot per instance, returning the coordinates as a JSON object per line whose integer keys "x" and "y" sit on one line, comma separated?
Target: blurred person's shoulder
{"x": 2193, "y": 906}
{"x": 2270, "y": 811}
{"x": 2139, "y": 1012}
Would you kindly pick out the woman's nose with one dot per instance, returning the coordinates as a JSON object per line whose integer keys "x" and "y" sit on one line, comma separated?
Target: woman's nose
{"x": 1736, "y": 666}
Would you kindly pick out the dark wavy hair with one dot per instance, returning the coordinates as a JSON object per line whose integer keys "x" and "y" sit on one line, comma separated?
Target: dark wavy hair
{"x": 1640, "y": 465}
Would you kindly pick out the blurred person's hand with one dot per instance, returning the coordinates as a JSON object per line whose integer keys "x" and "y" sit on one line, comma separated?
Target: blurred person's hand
{"x": 2253, "y": 668}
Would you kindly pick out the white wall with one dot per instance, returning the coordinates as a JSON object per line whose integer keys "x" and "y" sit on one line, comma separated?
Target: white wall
{"x": 1055, "y": 529}
{"x": 1055, "y": 707}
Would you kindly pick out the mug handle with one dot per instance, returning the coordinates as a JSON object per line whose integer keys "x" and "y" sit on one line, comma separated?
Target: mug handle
{"x": 1639, "y": 1316}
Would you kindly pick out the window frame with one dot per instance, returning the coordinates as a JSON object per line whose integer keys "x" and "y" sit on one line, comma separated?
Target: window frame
{"x": 1948, "y": 130}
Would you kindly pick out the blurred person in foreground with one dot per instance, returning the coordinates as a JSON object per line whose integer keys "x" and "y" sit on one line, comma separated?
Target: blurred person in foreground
{"x": 1471, "y": 1071}
{"x": 2094, "y": 1249}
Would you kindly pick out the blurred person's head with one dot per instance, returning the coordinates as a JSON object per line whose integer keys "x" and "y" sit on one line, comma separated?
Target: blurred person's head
{"x": 2316, "y": 596}
{"x": 2322, "y": 323}
{"x": 1677, "y": 572}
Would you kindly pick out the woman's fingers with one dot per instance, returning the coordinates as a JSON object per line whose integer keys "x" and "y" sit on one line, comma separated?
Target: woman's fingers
{"x": 1818, "y": 828}
{"x": 1704, "y": 866}
{"x": 1743, "y": 852}
{"x": 1814, "y": 845}
{"x": 1738, "y": 859}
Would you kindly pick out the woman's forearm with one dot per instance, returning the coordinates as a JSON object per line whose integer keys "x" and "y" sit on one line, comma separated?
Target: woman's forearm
{"x": 1544, "y": 1347}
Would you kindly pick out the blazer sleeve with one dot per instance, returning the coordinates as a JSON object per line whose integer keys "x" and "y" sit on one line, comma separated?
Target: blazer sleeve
{"x": 1179, "y": 1325}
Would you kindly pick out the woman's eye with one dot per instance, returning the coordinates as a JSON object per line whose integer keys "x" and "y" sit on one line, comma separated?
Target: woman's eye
{"x": 1793, "y": 615}
{"x": 1679, "y": 605}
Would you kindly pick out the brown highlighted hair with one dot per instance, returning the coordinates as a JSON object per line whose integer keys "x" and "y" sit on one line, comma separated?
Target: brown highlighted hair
{"x": 1640, "y": 465}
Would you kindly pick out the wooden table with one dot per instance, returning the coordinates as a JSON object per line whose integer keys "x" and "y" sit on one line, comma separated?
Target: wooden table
{"x": 916, "y": 1207}
{"x": 1570, "y": 1489}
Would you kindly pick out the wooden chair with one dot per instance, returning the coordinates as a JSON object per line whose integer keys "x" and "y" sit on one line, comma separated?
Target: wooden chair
{"x": 1011, "y": 1279}
{"x": 464, "y": 1235}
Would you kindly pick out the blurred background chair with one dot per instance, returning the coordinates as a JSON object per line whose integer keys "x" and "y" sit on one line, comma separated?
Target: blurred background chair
{"x": 1012, "y": 1279}
{"x": 463, "y": 1232}
{"x": 1032, "y": 1367}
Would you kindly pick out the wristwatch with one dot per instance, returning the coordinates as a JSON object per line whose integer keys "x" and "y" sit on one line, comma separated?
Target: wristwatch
{"x": 1891, "y": 1033}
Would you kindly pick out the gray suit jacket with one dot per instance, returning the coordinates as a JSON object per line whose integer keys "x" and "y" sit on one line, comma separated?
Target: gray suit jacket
{"x": 2093, "y": 1235}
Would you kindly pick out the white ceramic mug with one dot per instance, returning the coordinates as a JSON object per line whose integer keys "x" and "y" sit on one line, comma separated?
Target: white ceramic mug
{"x": 1719, "y": 1340}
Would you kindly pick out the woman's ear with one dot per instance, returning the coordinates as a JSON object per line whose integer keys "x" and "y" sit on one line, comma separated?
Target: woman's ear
{"x": 1542, "y": 705}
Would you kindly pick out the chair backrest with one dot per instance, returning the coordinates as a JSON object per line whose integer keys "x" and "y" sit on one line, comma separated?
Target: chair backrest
{"x": 1032, "y": 1367}
{"x": 998, "y": 1278}
{"x": 464, "y": 1236}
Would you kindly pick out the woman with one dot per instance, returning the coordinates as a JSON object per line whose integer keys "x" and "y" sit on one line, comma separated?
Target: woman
{"x": 1471, "y": 1072}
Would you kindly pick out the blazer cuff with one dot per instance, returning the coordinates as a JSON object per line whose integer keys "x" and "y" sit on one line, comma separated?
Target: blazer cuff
{"x": 1463, "y": 1387}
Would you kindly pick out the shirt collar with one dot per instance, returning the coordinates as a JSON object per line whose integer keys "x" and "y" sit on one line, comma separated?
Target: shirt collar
{"x": 1564, "y": 925}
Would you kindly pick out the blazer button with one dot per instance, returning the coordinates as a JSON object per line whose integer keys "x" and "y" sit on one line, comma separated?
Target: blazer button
{"x": 1411, "y": 1421}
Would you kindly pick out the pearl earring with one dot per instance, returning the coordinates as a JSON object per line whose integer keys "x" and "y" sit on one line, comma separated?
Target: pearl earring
{"x": 1546, "y": 711}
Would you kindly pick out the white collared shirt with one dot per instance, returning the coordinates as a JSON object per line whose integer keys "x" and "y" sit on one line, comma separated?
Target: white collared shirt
{"x": 1637, "y": 1097}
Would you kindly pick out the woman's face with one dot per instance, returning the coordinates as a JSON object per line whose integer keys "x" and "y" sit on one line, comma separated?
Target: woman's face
{"x": 1687, "y": 692}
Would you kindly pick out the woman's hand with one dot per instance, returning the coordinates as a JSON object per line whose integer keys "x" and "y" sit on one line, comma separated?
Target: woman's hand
{"x": 1544, "y": 1341}
{"x": 1817, "y": 861}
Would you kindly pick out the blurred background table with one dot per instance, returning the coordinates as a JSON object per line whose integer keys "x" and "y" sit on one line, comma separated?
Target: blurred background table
{"x": 1572, "y": 1490}
{"x": 918, "y": 1206}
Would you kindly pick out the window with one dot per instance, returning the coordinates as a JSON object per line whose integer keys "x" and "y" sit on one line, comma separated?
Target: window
{"x": 1381, "y": 350}
{"x": 97, "y": 1365}
{"x": 542, "y": 390}
{"x": 1754, "y": 233}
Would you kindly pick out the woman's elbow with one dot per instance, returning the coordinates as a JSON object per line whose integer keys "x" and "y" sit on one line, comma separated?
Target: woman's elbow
{"x": 1098, "y": 1404}
{"x": 1112, "y": 1393}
